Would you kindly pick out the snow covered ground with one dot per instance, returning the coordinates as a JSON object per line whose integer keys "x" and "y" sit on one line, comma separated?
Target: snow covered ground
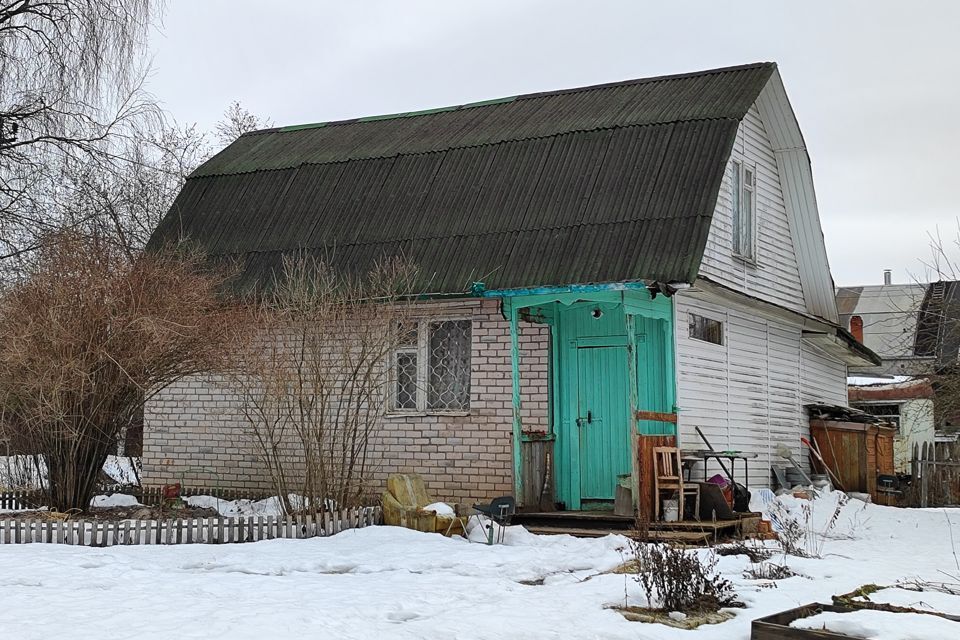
{"x": 385, "y": 582}
{"x": 19, "y": 472}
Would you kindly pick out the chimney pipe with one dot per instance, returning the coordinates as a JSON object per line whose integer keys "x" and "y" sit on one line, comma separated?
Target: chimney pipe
{"x": 856, "y": 328}
{"x": 887, "y": 276}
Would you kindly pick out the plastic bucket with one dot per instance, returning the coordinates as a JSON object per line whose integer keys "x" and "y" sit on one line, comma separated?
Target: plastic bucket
{"x": 671, "y": 510}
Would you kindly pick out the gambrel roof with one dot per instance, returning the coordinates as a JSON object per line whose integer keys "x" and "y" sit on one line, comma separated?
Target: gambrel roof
{"x": 608, "y": 183}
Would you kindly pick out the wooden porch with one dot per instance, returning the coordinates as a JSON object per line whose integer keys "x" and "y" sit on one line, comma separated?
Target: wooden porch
{"x": 594, "y": 524}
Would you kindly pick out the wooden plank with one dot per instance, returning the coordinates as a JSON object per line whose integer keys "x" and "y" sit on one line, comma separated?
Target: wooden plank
{"x": 777, "y": 626}
{"x": 536, "y": 461}
{"x": 656, "y": 416}
{"x": 925, "y": 470}
{"x": 644, "y": 464}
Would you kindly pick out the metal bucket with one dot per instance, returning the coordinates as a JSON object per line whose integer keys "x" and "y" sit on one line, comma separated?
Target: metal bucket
{"x": 671, "y": 510}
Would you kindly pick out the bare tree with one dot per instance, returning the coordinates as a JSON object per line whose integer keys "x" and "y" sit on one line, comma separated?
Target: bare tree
{"x": 82, "y": 145}
{"x": 71, "y": 75}
{"x": 313, "y": 386}
{"x": 86, "y": 339}
{"x": 238, "y": 121}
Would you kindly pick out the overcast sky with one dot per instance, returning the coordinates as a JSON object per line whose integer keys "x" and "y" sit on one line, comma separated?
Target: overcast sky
{"x": 875, "y": 84}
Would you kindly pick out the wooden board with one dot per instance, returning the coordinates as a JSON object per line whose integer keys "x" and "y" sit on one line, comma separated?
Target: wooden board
{"x": 537, "y": 465}
{"x": 777, "y": 626}
{"x": 688, "y": 537}
{"x": 644, "y": 465}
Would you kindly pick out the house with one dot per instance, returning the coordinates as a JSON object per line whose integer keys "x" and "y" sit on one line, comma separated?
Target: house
{"x": 915, "y": 329}
{"x": 614, "y": 266}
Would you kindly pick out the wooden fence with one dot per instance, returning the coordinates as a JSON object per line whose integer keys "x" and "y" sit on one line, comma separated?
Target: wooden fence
{"x": 934, "y": 482}
{"x": 105, "y": 533}
{"x": 25, "y": 499}
{"x": 151, "y": 496}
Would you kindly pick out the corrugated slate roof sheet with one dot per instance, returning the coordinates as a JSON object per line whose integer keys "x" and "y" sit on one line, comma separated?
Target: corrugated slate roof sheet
{"x": 600, "y": 184}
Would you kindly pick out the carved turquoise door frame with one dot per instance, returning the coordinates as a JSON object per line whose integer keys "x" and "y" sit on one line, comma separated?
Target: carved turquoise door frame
{"x": 626, "y": 365}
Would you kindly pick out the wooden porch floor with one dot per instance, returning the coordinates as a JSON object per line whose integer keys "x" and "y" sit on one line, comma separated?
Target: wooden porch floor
{"x": 600, "y": 523}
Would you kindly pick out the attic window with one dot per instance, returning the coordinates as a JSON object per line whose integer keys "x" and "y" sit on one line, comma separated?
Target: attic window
{"x": 744, "y": 209}
{"x": 706, "y": 329}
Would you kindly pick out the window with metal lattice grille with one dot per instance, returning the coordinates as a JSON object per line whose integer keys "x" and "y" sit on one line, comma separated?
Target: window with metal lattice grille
{"x": 431, "y": 369}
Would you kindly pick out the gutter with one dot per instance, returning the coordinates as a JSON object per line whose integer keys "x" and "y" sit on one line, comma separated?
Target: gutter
{"x": 667, "y": 289}
{"x": 825, "y": 333}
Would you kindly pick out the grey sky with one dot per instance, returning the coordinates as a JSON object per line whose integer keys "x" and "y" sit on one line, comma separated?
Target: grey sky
{"x": 875, "y": 84}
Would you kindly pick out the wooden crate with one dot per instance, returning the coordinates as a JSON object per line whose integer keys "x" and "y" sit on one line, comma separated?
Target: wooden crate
{"x": 777, "y": 626}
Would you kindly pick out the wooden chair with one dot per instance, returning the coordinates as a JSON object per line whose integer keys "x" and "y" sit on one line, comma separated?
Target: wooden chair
{"x": 668, "y": 476}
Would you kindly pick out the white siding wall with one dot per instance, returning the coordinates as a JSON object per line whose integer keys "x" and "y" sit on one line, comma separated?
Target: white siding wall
{"x": 748, "y": 393}
{"x": 775, "y": 276}
{"x": 823, "y": 378}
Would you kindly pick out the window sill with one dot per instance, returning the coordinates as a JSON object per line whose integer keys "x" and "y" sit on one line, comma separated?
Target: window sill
{"x": 394, "y": 415}
{"x": 745, "y": 259}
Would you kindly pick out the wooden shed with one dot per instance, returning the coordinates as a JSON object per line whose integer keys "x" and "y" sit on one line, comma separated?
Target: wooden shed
{"x": 857, "y": 452}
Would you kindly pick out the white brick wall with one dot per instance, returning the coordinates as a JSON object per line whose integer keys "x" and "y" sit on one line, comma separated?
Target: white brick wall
{"x": 192, "y": 433}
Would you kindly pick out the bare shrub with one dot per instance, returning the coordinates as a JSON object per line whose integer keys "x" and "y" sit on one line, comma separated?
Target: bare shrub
{"x": 796, "y": 533}
{"x": 673, "y": 579}
{"x": 87, "y": 337}
{"x": 313, "y": 385}
{"x": 769, "y": 571}
{"x": 753, "y": 549}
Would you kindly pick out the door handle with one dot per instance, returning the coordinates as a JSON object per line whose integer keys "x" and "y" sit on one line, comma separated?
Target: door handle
{"x": 589, "y": 417}
{"x": 588, "y": 420}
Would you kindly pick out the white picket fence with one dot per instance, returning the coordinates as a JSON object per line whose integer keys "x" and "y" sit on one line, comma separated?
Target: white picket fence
{"x": 103, "y": 533}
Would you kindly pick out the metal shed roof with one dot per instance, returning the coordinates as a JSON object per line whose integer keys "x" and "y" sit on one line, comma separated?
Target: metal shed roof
{"x": 599, "y": 184}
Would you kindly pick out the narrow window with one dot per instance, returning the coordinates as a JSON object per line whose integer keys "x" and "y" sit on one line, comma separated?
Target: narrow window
{"x": 405, "y": 368}
{"x": 744, "y": 208}
{"x": 736, "y": 192}
{"x": 706, "y": 329}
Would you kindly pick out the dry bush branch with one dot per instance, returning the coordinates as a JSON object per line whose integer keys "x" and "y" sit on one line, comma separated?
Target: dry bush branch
{"x": 88, "y": 336}
{"x": 313, "y": 385}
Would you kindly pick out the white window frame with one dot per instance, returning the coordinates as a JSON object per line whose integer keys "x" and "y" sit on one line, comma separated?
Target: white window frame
{"x": 738, "y": 188}
{"x": 422, "y": 349}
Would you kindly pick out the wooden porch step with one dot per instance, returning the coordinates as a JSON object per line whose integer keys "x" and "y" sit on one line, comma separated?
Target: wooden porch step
{"x": 575, "y": 519}
{"x": 684, "y": 537}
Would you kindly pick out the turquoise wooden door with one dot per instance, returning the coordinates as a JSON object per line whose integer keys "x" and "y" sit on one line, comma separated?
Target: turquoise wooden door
{"x": 603, "y": 419}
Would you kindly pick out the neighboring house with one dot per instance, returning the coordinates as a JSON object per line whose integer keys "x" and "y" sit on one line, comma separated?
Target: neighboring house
{"x": 609, "y": 266}
{"x": 912, "y": 327}
{"x": 915, "y": 329}
{"x": 903, "y": 402}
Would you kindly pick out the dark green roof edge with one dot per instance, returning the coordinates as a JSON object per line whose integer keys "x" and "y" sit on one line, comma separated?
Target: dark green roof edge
{"x": 523, "y": 96}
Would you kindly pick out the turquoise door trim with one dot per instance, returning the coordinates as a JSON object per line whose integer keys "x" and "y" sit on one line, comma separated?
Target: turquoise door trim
{"x": 623, "y": 319}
